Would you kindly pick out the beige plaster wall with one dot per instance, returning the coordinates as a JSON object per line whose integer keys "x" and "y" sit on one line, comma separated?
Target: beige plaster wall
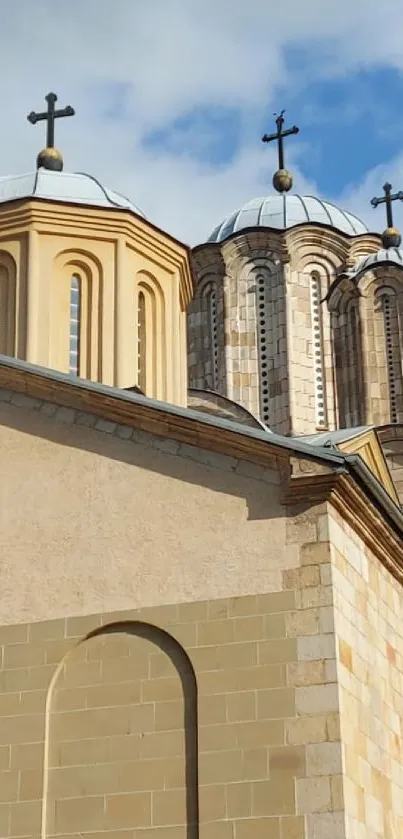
{"x": 368, "y": 608}
{"x": 91, "y": 520}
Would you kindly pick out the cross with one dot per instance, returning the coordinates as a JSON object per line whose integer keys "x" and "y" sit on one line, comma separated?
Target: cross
{"x": 50, "y": 115}
{"x": 279, "y": 136}
{"x": 398, "y": 196}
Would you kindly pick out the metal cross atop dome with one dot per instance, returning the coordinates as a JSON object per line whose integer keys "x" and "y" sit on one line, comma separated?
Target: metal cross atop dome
{"x": 50, "y": 158}
{"x": 282, "y": 179}
{"x": 390, "y": 237}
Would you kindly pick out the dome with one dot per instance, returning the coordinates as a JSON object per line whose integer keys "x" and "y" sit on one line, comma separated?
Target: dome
{"x": 283, "y": 211}
{"x": 70, "y": 188}
{"x": 391, "y": 256}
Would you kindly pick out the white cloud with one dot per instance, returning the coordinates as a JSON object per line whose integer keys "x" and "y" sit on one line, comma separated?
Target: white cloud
{"x": 173, "y": 55}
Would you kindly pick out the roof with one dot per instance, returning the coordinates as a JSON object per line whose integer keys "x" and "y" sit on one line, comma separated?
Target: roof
{"x": 390, "y": 256}
{"x": 332, "y": 438}
{"x": 283, "y": 211}
{"x": 71, "y": 188}
{"x": 355, "y": 489}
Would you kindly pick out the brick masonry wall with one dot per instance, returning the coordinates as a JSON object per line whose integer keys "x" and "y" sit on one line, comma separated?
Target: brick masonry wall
{"x": 368, "y": 607}
{"x": 222, "y": 711}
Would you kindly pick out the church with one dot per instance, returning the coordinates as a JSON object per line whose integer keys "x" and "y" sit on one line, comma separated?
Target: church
{"x": 201, "y": 555}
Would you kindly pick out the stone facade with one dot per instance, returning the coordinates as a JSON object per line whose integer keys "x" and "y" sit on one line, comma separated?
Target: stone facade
{"x": 294, "y": 346}
{"x": 276, "y": 338}
{"x": 197, "y": 662}
{"x": 367, "y": 608}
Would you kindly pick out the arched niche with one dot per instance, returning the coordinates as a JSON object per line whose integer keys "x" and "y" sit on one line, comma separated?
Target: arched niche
{"x": 121, "y": 748}
{"x": 262, "y": 294}
{"x": 314, "y": 282}
{"x": 150, "y": 318}
{"x": 382, "y": 306}
{"x": 87, "y": 270}
{"x": 349, "y": 360}
{"x": 205, "y": 329}
{"x": 8, "y": 295}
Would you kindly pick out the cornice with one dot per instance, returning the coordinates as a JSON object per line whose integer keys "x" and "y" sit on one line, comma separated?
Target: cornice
{"x": 342, "y": 492}
{"x": 306, "y": 479}
{"x": 146, "y": 416}
{"x": 374, "y": 529}
{"x": 65, "y": 220}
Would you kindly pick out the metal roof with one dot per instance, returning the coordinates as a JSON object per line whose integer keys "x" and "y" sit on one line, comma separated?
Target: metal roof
{"x": 283, "y": 211}
{"x": 68, "y": 187}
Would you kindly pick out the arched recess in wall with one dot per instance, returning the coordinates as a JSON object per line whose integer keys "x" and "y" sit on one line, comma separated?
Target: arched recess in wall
{"x": 389, "y": 351}
{"x": 270, "y": 319}
{"x": 151, "y": 361}
{"x": 8, "y": 289}
{"x": 318, "y": 349}
{"x": 349, "y": 362}
{"x": 117, "y": 755}
{"x": 208, "y": 293}
{"x": 205, "y": 335}
{"x": 76, "y": 314}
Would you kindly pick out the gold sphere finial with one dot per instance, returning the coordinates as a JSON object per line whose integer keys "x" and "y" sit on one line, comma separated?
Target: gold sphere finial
{"x": 50, "y": 158}
{"x": 391, "y": 238}
{"x": 282, "y": 180}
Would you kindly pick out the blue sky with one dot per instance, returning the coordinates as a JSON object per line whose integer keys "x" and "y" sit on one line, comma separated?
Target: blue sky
{"x": 172, "y": 98}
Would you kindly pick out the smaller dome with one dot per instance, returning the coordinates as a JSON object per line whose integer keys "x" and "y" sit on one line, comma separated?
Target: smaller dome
{"x": 70, "y": 188}
{"x": 392, "y": 256}
{"x": 284, "y": 211}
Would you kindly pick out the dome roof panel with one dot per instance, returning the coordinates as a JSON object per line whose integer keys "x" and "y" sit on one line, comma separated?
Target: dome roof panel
{"x": 391, "y": 256}
{"x": 75, "y": 188}
{"x": 280, "y": 212}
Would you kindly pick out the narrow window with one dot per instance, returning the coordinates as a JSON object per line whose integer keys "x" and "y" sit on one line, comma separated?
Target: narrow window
{"x": 141, "y": 341}
{"x": 75, "y": 317}
{"x": 263, "y": 348}
{"x": 211, "y": 300}
{"x": 317, "y": 344}
{"x": 392, "y": 352}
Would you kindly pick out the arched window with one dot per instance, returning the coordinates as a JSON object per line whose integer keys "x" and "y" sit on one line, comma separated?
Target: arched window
{"x": 7, "y": 304}
{"x": 263, "y": 348}
{"x": 392, "y": 347}
{"x": 75, "y": 323}
{"x": 210, "y": 340}
{"x": 353, "y": 361}
{"x": 141, "y": 341}
{"x": 151, "y": 370}
{"x": 317, "y": 344}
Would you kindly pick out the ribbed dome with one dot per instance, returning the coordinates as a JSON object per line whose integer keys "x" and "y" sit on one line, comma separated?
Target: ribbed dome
{"x": 392, "y": 256}
{"x": 76, "y": 188}
{"x": 283, "y": 211}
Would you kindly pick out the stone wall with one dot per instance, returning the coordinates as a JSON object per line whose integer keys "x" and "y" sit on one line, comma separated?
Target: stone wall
{"x": 222, "y": 714}
{"x": 368, "y": 606}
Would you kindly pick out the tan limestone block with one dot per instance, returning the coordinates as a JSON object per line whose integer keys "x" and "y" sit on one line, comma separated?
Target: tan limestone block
{"x": 169, "y": 807}
{"x": 306, "y": 730}
{"x": 239, "y": 800}
{"x": 293, "y": 827}
{"x": 241, "y": 706}
{"x": 274, "y": 797}
{"x": 255, "y": 764}
{"x": 256, "y": 828}
{"x": 323, "y": 759}
{"x": 313, "y": 795}
{"x": 302, "y": 622}
{"x": 276, "y": 703}
{"x": 306, "y": 673}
